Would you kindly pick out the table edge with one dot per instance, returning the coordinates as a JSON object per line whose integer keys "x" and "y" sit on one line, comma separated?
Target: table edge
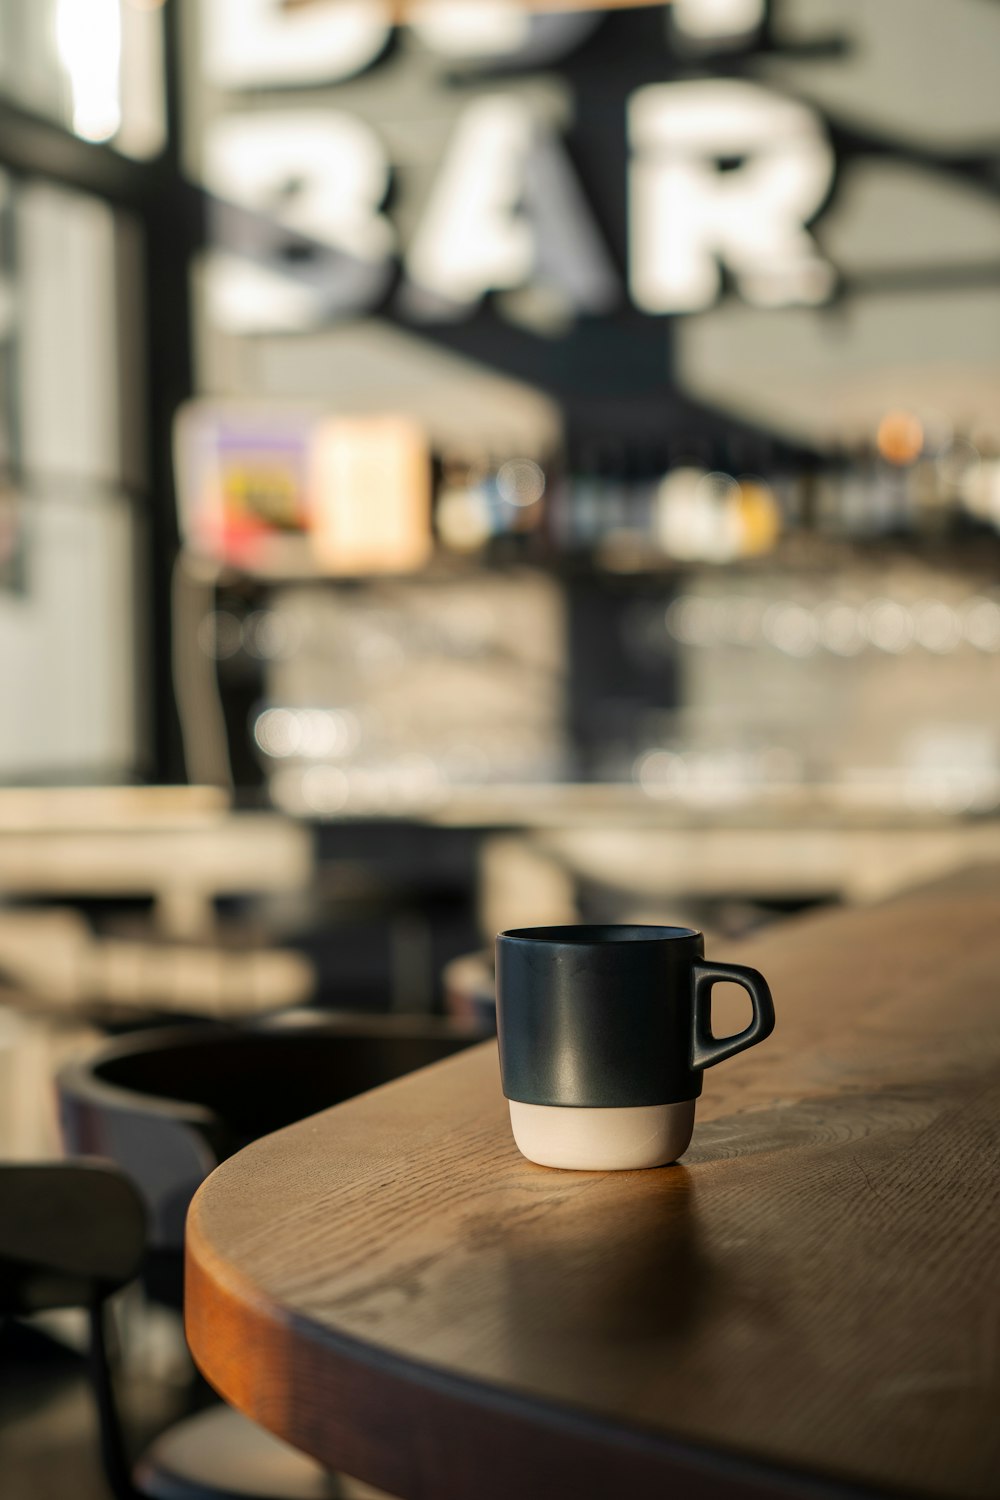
{"x": 522, "y": 1444}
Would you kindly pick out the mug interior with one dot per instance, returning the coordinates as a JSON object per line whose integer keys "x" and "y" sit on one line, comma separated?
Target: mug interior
{"x": 598, "y": 933}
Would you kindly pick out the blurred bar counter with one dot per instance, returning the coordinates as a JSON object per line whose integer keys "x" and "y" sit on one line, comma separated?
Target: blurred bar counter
{"x": 539, "y": 843}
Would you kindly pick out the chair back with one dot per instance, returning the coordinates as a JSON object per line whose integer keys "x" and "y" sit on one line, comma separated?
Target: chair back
{"x": 71, "y": 1233}
{"x": 168, "y": 1105}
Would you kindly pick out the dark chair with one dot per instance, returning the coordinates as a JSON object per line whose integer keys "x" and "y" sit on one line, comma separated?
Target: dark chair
{"x": 72, "y": 1234}
{"x": 169, "y": 1105}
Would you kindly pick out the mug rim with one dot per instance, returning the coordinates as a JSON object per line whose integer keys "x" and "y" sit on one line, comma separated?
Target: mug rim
{"x": 597, "y": 934}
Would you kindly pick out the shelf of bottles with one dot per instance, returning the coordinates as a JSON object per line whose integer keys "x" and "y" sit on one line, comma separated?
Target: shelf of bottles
{"x": 644, "y": 513}
{"x": 363, "y": 496}
{"x": 663, "y": 621}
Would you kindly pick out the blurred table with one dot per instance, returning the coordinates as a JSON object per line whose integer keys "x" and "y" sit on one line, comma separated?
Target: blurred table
{"x": 802, "y": 842}
{"x": 181, "y": 845}
{"x": 809, "y": 1305}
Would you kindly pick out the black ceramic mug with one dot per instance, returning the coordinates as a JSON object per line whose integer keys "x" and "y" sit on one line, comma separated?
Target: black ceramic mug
{"x": 604, "y": 1035}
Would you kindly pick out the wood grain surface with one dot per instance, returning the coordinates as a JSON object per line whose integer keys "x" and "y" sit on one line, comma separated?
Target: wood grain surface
{"x": 809, "y": 1304}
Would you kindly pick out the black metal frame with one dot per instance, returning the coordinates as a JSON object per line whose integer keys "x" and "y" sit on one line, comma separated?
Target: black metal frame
{"x": 114, "y": 1454}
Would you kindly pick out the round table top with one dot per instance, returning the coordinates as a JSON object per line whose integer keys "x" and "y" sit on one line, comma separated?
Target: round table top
{"x": 809, "y": 1303}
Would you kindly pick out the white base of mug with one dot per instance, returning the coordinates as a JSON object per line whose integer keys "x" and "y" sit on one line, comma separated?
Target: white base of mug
{"x": 602, "y": 1140}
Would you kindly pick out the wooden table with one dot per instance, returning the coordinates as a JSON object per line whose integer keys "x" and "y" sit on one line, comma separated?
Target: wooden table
{"x": 810, "y": 1304}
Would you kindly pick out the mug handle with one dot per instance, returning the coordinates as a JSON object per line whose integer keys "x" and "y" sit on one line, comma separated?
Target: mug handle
{"x": 706, "y": 1049}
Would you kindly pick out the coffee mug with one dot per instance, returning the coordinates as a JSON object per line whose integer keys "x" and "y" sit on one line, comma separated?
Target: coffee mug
{"x": 604, "y": 1035}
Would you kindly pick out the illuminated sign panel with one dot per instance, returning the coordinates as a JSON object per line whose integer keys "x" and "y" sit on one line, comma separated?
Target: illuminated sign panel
{"x": 688, "y": 216}
{"x": 624, "y": 210}
{"x": 506, "y": 209}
